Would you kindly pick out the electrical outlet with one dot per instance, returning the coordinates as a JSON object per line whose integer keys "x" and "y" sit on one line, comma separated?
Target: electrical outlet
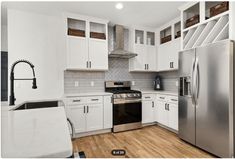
{"x": 176, "y": 83}
{"x": 132, "y": 83}
{"x": 76, "y": 83}
{"x": 92, "y": 83}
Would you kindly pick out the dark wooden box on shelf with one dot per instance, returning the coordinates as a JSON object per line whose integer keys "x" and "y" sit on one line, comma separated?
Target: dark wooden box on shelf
{"x": 219, "y": 8}
{"x": 165, "y": 39}
{"x": 191, "y": 21}
{"x": 178, "y": 34}
{"x": 97, "y": 35}
{"x": 76, "y": 32}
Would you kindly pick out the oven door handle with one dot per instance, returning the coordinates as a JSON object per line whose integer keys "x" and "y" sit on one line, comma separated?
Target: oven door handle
{"x": 127, "y": 101}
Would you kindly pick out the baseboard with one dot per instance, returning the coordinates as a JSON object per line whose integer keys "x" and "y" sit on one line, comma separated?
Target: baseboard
{"x": 96, "y": 132}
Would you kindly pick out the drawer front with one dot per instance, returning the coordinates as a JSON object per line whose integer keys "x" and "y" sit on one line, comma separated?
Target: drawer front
{"x": 148, "y": 96}
{"x": 95, "y": 99}
{"x": 161, "y": 97}
{"x": 76, "y": 100}
{"x": 172, "y": 99}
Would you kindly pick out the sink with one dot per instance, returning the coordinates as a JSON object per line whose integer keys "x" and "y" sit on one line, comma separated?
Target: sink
{"x": 36, "y": 105}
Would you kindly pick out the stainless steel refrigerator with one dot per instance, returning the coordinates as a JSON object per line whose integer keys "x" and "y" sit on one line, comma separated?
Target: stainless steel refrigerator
{"x": 206, "y": 91}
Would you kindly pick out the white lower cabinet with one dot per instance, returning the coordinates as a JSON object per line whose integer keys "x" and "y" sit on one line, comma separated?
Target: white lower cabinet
{"x": 94, "y": 117}
{"x": 77, "y": 116}
{"x": 167, "y": 113}
{"x": 89, "y": 113}
{"x": 148, "y": 108}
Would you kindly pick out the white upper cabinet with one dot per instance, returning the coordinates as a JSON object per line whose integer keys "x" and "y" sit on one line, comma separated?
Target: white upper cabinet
{"x": 87, "y": 43}
{"x": 143, "y": 43}
{"x": 169, "y": 46}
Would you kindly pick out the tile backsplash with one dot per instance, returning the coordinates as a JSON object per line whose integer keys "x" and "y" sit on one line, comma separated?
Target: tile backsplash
{"x": 118, "y": 71}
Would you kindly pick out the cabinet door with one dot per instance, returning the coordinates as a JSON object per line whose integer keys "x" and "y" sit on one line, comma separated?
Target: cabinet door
{"x": 150, "y": 57}
{"x": 108, "y": 112}
{"x": 77, "y": 52}
{"x": 175, "y": 48}
{"x": 162, "y": 113}
{"x": 98, "y": 54}
{"x": 78, "y": 117}
{"x": 173, "y": 116}
{"x": 147, "y": 111}
{"x": 94, "y": 117}
{"x": 164, "y": 56}
{"x": 138, "y": 61}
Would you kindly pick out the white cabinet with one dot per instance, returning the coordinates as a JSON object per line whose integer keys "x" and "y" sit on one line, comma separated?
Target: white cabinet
{"x": 90, "y": 113}
{"x": 167, "y": 112}
{"x": 162, "y": 114}
{"x": 167, "y": 54}
{"x": 77, "y": 53}
{"x": 143, "y": 43}
{"x": 94, "y": 117}
{"x": 148, "y": 108}
{"x": 77, "y": 116}
{"x": 87, "y": 44}
{"x": 108, "y": 112}
{"x": 173, "y": 116}
{"x": 98, "y": 54}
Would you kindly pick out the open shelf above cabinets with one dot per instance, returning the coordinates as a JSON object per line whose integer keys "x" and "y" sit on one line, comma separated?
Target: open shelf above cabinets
{"x": 97, "y": 31}
{"x": 177, "y": 30}
{"x": 165, "y": 35}
{"x": 214, "y": 8}
{"x": 139, "y": 37}
{"x": 191, "y": 16}
{"x": 76, "y": 27}
{"x": 150, "y": 40}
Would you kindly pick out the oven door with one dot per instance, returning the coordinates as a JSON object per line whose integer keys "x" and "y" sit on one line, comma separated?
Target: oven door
{"x": 125, "y": 112}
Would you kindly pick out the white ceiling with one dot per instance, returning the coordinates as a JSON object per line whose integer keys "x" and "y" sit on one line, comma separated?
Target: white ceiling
{"x": 148, "y": 14}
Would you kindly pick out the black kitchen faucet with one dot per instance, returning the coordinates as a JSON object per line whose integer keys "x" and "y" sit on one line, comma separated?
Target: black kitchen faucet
{"x": 12, "y": 78}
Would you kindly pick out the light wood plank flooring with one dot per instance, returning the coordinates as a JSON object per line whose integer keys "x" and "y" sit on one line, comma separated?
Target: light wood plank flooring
{"x": 151, "y": 141}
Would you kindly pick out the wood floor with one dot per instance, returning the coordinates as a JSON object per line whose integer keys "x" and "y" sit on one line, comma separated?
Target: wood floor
{"x": 151, "y": 141}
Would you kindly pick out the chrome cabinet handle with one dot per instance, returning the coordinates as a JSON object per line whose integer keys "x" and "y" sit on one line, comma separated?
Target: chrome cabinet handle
{"x": 87, "y": 65}
{"x": 146, "y": 97}
{"x": 162, "y": 97}
{"x": 174, "y": 99}
{"x": 94, "y": 99}
{"x": 165, "y": 106}
{"x": 90, "y": 64}
{"x": 168, "y": 107}
{"x": 78, "y": 100}
{"x": 84, "y": 109}
{"x": 152, "y": 104}
{"x": 87, "y": 109}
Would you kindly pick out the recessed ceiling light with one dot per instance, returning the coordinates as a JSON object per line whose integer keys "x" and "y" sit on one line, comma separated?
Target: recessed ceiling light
{"x": 119, "y": 6}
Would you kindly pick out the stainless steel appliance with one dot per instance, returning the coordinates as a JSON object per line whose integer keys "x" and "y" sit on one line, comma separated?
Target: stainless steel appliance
{"x": 206, "y": 113}
{"x": 127, "y": 105}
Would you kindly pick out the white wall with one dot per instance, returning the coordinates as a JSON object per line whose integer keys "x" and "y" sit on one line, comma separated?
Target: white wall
{"x": 39, "y": 39}
{"x": 4, "y": 38}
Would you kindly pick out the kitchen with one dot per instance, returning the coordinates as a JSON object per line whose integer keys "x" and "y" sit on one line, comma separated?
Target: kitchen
{"x": 120, "y": 83}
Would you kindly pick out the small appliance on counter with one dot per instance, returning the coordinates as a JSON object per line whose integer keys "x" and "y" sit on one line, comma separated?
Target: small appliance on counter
{"x": 158, "y": 83}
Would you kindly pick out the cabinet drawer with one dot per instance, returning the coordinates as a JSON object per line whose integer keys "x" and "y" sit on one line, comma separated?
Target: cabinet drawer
{"x": 76, "y": 100}
{"x": 172, "y": 99}
{"x": 95, "y": 99}
{"x": 148, "y": 96}
{"x": 161, "y": 97}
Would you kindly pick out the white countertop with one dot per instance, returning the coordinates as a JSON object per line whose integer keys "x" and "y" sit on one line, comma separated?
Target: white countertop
{"x": 160, "y": 92}
{"x": 35, "y": 133}
{"x": 87, "y": 94}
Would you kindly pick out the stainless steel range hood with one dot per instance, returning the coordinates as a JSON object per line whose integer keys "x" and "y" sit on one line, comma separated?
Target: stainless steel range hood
{"x": 119, "y": 51}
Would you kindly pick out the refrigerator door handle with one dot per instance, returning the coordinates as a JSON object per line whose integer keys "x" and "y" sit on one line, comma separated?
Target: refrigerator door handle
{"x": 196, "y": 81}
{"x": 192, "y": 82}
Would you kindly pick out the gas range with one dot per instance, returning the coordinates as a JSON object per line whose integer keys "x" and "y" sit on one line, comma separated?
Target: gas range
{"x": 127, "y": 105}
